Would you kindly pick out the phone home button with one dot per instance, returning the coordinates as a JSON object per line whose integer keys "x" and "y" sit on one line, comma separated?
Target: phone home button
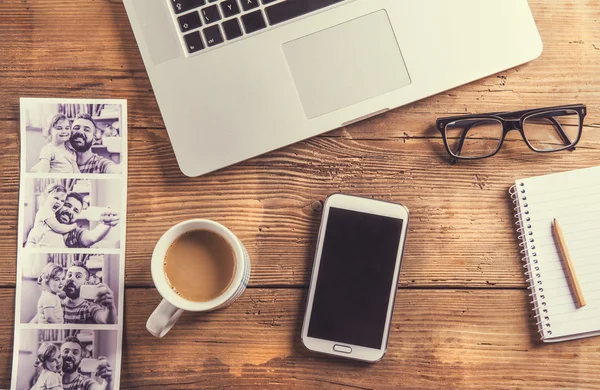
{"x": 342, "y": 348}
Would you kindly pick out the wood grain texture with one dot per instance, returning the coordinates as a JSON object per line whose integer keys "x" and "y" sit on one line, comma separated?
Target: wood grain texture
{"x": 438, "y": 339}
{"x": 461, "y": 235}
{"x": 269, "y": 200}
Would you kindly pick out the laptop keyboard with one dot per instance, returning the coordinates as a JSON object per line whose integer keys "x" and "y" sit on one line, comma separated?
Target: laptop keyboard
{"x": 208, "y": 23}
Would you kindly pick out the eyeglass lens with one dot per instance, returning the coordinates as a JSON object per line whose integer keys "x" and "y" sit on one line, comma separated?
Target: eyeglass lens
{"x": 474, "y": 137}
{"x": 552, "y": 130}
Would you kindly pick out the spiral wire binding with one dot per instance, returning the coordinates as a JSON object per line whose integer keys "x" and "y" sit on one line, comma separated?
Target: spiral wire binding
{"x": 518, "y": 194}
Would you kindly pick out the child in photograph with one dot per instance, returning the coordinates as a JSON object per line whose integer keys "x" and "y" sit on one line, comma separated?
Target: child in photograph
{"x": 48, "y": 357}
{"x": 57, "y": 156}
{"x": 49, "y": 308}
{"x": 53, "y": 199}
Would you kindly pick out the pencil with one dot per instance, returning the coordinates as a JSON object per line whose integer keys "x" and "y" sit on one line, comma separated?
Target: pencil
{"x": 568, "y": 265}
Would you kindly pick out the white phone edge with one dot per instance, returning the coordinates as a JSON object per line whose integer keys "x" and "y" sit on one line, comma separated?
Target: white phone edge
{"x": 94, "y": 213}
{"x": 365, "y": 205}
{"x": 85, "y": 289}
{"x": 85, "y": 362}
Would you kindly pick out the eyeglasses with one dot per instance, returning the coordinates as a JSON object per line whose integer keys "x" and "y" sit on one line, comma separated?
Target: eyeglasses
{"x": 544, "y": 130}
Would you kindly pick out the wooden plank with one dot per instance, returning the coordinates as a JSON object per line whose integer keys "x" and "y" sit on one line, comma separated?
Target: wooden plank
{"x": 460, "y": 235}
{"x": 461, "y": 229}
{"x": 105, "y": 62}
{"x": 439, "y": 339}
{"x": 272, "y": 203}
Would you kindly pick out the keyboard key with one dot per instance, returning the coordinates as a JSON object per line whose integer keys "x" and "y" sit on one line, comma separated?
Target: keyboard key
{"x": 232, "y": 29}
{"x": 213, "y": 35}
{"x": 230, "y": 8}
{"x": 249, "y": 4}
{"x": 180, "y": 6}
{"x": 290, "y": 9}
{"x": 193, "y": 42}
{"x": 189, "y": 21}
{"x": 210, "y": 14}
{"x": 253, "y": 21}
{"x": 268, "y": 1}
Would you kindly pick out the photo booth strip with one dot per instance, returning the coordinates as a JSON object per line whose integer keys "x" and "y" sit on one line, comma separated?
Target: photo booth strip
{"x": 59, "y": 231}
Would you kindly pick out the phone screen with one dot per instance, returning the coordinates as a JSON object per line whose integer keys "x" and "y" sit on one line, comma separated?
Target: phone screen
{"x": 356, "y": 270}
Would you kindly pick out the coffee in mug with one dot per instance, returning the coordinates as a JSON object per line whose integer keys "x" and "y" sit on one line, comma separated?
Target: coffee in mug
{"x": 199, "y": 265}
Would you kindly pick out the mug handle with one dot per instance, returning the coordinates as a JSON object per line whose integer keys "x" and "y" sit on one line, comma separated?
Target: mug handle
{"x": 162, "y": 319}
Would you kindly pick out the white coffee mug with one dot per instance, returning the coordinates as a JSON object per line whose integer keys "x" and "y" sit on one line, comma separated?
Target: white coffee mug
{"x": 173, "y": 305}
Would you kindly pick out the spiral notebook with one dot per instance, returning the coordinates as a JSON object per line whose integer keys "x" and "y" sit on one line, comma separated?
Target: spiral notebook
{"x": 573, "y": 198}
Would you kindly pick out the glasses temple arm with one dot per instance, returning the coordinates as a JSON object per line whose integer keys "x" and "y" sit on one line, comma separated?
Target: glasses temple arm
{"x": 461, "y": 141}
{"x": 518, "y": 114}
{"x": 561, "y": 132}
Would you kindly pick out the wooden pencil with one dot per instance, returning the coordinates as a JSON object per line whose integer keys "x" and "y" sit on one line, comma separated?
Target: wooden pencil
{"x": 568, "y": 265}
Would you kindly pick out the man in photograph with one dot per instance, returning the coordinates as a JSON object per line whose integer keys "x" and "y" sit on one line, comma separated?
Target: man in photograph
{"x": 43, "y": 236}
{"x": 78, "y": 310}
{"x": 71, "y": 352}
{"x": 82, "y": 139}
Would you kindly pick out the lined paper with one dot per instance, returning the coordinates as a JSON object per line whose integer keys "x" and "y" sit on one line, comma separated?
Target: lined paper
{"x": 573, "y": 198}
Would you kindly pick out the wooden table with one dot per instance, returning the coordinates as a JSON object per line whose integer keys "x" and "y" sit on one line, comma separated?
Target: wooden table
{"x": 462, "y": 316}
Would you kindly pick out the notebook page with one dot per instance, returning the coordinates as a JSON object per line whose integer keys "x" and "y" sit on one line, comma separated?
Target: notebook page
{"x": 573, "y": 198}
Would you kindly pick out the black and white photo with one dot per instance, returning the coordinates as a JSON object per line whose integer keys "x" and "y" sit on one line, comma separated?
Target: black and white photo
{"x": 72, "y": 213}
{"x": 71, "y": 244}
{"x": 72, "y": 137}
{"x": 59, "y": 288}
{"x": 69, "y": 359}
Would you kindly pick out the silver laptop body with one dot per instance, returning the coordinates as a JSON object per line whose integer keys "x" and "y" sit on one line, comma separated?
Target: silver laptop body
{"x": 237, "y": 78}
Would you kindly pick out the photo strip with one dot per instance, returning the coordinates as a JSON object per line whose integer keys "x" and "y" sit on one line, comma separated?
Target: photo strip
{"x": 71, "y": 213}
{"x": 71, "y": 244}
{"x": 71, "y": 138}
{"x": 66, "y": 359}
{"x": 59, "y": 288}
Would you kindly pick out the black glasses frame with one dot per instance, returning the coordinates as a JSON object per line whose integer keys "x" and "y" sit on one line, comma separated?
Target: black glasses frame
{"x": 512, "y": 121}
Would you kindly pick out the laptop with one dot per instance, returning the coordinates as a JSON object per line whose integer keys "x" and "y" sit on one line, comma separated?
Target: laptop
{"x": 237, "y": 78}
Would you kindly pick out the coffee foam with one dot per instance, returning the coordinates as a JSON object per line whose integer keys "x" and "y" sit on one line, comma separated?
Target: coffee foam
{"x": 199, "y": 265}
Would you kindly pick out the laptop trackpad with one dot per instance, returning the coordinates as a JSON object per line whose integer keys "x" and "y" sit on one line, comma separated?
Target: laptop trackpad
{"x": 346, "y": 64}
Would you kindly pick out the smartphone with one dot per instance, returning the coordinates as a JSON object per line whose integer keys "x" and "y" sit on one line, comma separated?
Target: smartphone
{"x": 89, "y": 291}
{"x": 88, "y": 365}
{"x": 94, "y": 213}
{"x": 355, "y": 277}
